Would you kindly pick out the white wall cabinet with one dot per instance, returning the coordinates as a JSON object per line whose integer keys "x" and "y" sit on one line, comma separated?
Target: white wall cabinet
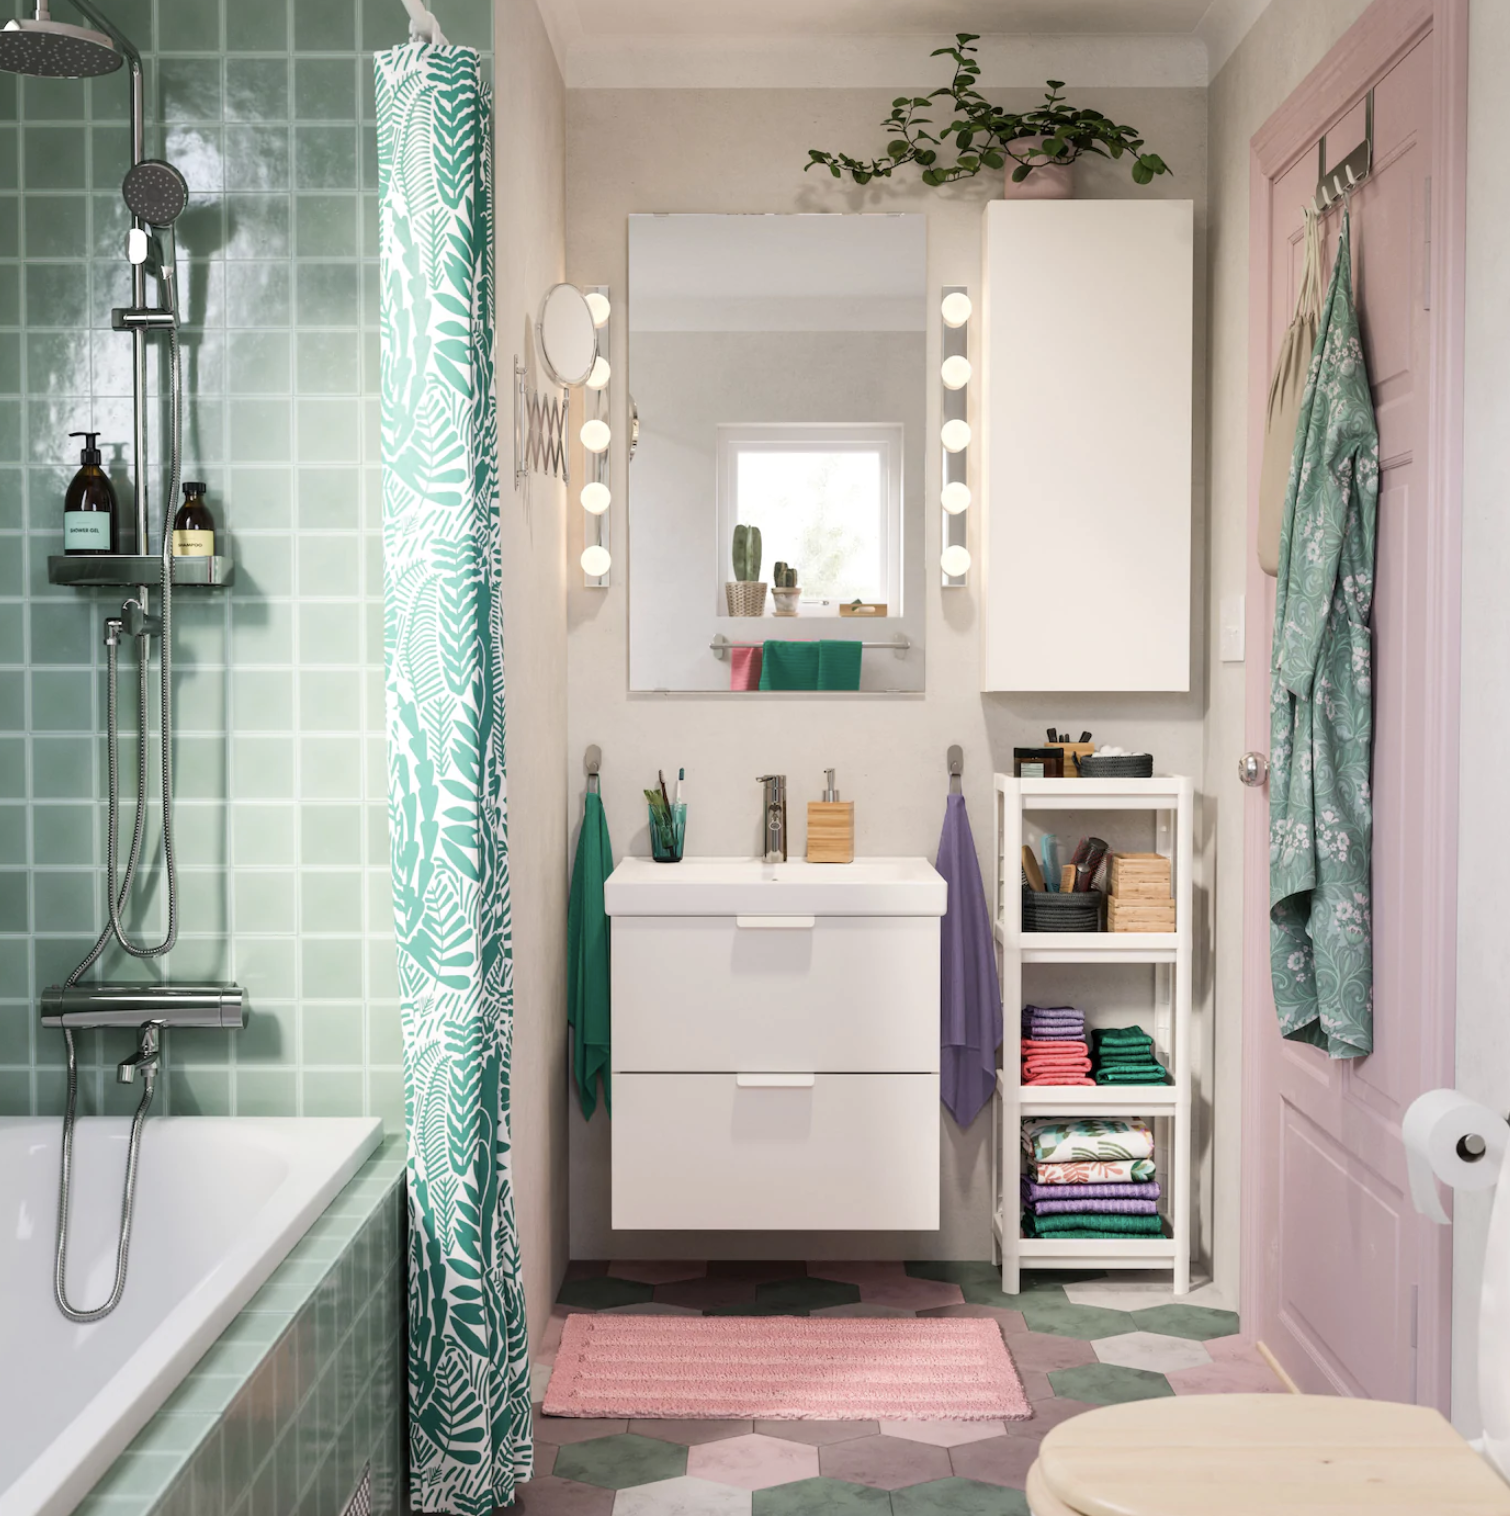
{"x": 1086, "y": 445}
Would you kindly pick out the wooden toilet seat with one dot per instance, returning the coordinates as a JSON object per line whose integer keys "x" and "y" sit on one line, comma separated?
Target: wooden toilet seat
{"x": 1257, "y": 1455}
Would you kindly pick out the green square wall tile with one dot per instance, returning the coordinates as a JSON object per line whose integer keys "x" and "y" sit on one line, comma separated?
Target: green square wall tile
{"x": 262, "y": 497}
{"x": 330, "y": 902}
{"x": 53, "y": 157}
{"x": 57, "y": 294}
{"x": 260, "y": 431}
{"x": 332, "y": 1035}
{"x": 266, "y": 1092}
{"x": 199, "y": 693}
{"x": 328, "y": 498}
{"x": 331, "y": 968}
{"x": 256, "y": 294}
{"x": 190, "y": 89}
{"x": 328, "y": 363}
{"x": 329, "y": 633}
{"x": 260, "y": 364}
{"x": 262, "y": 834}
{"x": 199, "y": 1092}
{"x": 10, "y": 431}
{"x": 257, "y": 227}
{"x": 199, "y": 833}
{"x": 199, "y": 769}
{"x": 10, "y": 157}
{"x": 189, "y": 26}
{"x": 63, "y": 833}
{"x": 264, "y": 901}
{"x": 256, "y": 28}
{"x": 325, "y": 157}
{"x": 329, "y": 294}
{"x": 12, "y": 639}
{"x": 15, "y": 1093}
{"x": 62, "y": 768}
{"x": 385, "y": 1034}
{"x": 15, "y": 969}
{"x": 57, "y": 363}
{"x": 256, "y": 89}
{"x": 62, "y": 701}
{"x": 382, "y": 964}
{"x": 15, "y": 914}
{"x": 65, "y": 902}
{"x": 329, "y": 702}
{"x": 385, "y": 1098}
{"x": 326, "y": 226}
{"x": 15, "y": 1035}
{"x": 56, "y": 226}
{"x": 198, "y": 1046}
{"x": 11, "y": 512}
{"x": 10, "y": 247}
{"x": 10, "y": 363}
{"x": 262, "y": 700}
{"x": 266, "y": 966}
{"x": 13, "y": 835}
{"x": 328, "y": 431}
{"x": 269, "y": 1037}
{"x": 333, "y": 1094}
{"x": 63, "y": 631}
{"x": 325, "y": 89}
{"x": 12, "y": 699}
{"x": 12, "y": 768}
{"x": 265, "y": 563}
{"x": 262, "y": 768}
{"x": 330, "y": 27}
{"x": 330, "y": 834}
{"x": 329, "y": 768}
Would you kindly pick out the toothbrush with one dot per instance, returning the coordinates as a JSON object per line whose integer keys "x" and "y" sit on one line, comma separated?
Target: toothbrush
{"x": 681, "y": 774}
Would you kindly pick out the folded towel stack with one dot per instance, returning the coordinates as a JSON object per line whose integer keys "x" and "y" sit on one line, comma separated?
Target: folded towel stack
{"x": 1054, "y": 1049}
{"x": 1125, "y": 1055}
{"x": 1089, "y": 1178}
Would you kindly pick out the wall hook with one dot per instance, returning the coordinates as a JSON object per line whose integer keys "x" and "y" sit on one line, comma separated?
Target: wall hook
{"x": 593, "y": 762}
{"x": 956, "y": 758}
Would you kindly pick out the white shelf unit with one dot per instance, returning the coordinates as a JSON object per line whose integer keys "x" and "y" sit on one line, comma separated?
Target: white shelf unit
{"x": 1166, "y": 1106}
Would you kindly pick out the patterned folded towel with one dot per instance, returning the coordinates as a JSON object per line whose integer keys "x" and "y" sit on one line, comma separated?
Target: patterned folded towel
{"x": 1085, "y": 1226}
{"x": 1124, "y": 1191}
{"x": 1067, "y": 1141}
{"x": 1132, "y": 1073}
{"x": 1103, "y": 1171}
{"x": 1095, "y": 1207}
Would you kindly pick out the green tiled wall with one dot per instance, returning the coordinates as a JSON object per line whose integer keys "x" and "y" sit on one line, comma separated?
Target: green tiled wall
{"x": 281, "y": 820}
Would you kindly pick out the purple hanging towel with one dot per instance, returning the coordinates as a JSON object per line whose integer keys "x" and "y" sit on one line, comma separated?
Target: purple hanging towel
{"x": 970, "y": 1023}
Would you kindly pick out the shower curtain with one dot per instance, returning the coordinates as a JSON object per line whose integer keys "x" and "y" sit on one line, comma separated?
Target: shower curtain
{"x": 469, "y": 1398}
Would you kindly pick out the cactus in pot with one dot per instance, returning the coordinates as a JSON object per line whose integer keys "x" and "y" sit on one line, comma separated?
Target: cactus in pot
{"x": 744, "y": 593}
{"x": 784, "y": 588}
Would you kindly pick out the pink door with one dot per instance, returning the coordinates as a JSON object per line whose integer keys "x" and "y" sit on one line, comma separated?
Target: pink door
{"x": 1343, "y": 1281}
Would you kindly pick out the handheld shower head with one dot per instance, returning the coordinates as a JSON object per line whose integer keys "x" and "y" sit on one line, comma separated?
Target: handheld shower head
{"x": 48, "y": 49}
{"x": 155, "y": 192}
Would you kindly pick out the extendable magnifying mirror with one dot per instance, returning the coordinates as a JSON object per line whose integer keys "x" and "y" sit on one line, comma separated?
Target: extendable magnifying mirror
{"x": 566, "y": 336}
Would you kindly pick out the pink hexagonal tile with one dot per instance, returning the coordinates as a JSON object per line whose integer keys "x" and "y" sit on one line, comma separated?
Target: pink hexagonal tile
{"x": 682, "y": 1497}
{"x": 862, "y": 1272}
{"x": 1000, "y": 1460}
{"x": 818, "y": 1433}
{"x": 1036, "y": 1383}
{"x": 1011, "y": 1321}
{"x": 561, "y": 1497}
{"x": 753, "y": 1462}
{"x": 1226, "y": 1379}
{"x": 690, "y": 1433}
{"x": 864, "y": 1308}
{"x": 1047, "y": 1350}
{"x": 561, "y": 1430}
{"x": 943, "y": 1434}
{"x": 884, "y": 1463}
{"x": 1235, "y": 1349}
{"x": 651, "y": 1271}
{"x": 1047, "y": 1414}
{"x": 703, "y": 1294}
{"x": 890, "y": 1284}
{"x": 545, "y": 1459}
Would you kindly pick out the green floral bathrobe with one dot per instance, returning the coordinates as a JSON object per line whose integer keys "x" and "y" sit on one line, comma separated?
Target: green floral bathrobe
{"x": 1321, "y": 699}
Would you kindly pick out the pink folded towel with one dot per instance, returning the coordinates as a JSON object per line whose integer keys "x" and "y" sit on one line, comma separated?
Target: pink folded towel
{"x": 744, "y": 668}
{"x": 1056, "y": 1079}
{"x": 1055, "y": 1048}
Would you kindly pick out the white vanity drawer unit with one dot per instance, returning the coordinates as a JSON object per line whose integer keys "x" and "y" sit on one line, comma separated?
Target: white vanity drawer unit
{"x": 775, "y": 1044}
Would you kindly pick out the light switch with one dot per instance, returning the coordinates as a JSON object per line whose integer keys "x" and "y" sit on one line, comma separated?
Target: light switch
{"x": 1233, "y": 627}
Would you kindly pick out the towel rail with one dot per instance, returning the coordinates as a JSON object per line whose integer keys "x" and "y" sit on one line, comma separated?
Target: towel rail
{"x": 721, "y": 645}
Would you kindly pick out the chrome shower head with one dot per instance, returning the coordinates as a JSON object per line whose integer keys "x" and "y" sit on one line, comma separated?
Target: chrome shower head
{"x": 48, "y": 49}
{"x": 155, "y": 192}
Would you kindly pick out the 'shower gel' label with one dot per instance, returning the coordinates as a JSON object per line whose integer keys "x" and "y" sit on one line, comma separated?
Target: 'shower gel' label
{"x": 86, "y": 532}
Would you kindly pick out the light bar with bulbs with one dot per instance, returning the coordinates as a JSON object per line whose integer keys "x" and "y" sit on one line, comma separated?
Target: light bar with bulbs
{"x": 596, "y": 437}
{"x": 954, "y": 433}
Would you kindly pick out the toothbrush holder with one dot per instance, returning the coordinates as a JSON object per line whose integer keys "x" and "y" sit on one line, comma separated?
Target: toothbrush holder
{"x": 667, "y": 835}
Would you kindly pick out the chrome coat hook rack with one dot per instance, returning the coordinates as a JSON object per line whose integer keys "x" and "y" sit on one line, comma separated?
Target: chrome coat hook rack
{"x": 1335, "y": 184}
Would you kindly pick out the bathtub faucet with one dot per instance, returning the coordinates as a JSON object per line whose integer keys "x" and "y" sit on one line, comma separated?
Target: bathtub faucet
{"x": 85, "y": 1006}
{"x": 146, "y": 1058}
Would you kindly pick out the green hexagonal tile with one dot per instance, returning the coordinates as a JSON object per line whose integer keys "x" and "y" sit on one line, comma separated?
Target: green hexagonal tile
{"x": 601, "y": 1292}
{"x": 958, "y": 1497}
{"x": 1108, "y": 1383}
{"x": 1033, "y": 1280}
{"x": 821, "y": 1497}
{"x": 1195, "y": 1321}
{"x": 806, "y": 1294}
{"x": 988, "y": 1292}
{"x": 756, "y": 1308}
{"x": 615, "y": 1463}
{"x": 1044, "y": 1312}
{"x": 946, "y": 1272}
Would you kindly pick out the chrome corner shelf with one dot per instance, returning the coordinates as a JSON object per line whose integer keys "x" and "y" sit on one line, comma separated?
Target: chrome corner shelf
{"x": 122, "y": 570}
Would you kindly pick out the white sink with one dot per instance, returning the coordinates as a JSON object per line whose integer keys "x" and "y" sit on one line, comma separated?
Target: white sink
{"x": 748, "y": 887}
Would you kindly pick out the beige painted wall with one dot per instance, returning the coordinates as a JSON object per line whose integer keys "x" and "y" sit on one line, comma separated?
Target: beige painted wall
{"x": 1286, "y": 42}
{"x": 530, "y": 103}
{"x": 742, "y": 150}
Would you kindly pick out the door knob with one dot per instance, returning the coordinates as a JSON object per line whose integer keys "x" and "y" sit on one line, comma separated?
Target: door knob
{"x": 1253, "y": 768}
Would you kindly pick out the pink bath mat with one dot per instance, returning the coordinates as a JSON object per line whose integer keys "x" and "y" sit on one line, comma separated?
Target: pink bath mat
{"x": 785, "y": 1368}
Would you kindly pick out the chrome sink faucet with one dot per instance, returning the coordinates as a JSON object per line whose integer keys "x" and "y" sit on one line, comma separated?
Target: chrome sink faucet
{"x": 775, "y": 817}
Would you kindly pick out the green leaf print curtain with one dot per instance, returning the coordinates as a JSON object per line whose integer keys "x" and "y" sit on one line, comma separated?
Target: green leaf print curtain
{"x": 1321, "y": 710}
{"x": 469, "y": 1400}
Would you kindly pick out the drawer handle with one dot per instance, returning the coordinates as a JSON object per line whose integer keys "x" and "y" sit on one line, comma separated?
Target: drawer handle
{"x": 776, "y": 923}
{"x": 774, "y": 1081}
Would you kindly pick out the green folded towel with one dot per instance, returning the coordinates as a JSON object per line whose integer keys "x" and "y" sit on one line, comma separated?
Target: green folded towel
{"x": 1116, "y": 1038}
{"x": 1090, "y": 1224}
{"x": 790, "y": 666}
{"x": 838, "y": 665}
{"x": 1141, "y": 1073}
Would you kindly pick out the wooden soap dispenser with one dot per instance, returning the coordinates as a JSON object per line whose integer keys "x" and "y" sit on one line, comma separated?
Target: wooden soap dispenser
{"x": 830, "y": 827}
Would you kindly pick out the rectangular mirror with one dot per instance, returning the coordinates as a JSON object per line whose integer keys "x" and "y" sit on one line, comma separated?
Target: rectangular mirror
{"x": 778, "y": 370}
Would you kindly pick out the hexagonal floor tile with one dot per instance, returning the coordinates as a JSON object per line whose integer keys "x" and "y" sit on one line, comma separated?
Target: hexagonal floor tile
{"x": 755, "y": 1269}
{"x": 686, "y": 1496}
{"x": 890, "y": 1284}
{"x": 561, "y": 1497}
{"x": 690, "y": 1433}
{"x": 865, "y": 1308}
{"x": 648, "y": 1308}
{"x": 706, "y": 1294}
{"x": 943, "y": 1434}
{"x": 999, "y": 1460}
{"x": 753, "y": 1461}
{"x": 818, "y": 1434}
{"x": 1151, "y": 1350}
{"x": 954, "y": 1272}
{"x": 561, "y": 1430}
{"x": 615, "y": 1463}
{"x": 1045, "y": 1350}
{"x": 806, "y": 1294}
{"x": 757, "y": 1308}
{"x": 1226, "y": 1379}
{"x": 821, "y": 1497}
{"x": 1047, "y": 1414}
{"x": 599, "y": 1291}
{"x": 544, "y": 1454}
{"x": 1194, "y": 1321}
{"x": 586, "y": 1268}
{"x": 1109, "y": 1383}
{"x": 884, "y": 1463}
{"x": 540, "y": 1378}
{"x": 959, "y": 1497}
{"x": 654, "y": 1271}
{"x": 1048, "y": 1313}
{"x": 1234, "y": 1349}
{"x": 1010, "y": 1321}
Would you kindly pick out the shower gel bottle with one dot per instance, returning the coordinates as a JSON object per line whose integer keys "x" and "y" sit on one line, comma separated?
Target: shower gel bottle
{"x": 89, "y": 525}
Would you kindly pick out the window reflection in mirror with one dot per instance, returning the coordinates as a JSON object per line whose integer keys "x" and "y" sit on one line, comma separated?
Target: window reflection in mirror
{"x": 778, "y": 364}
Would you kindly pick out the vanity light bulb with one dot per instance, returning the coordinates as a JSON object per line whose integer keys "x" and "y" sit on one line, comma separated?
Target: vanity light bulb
{"x": 955, "y": 497}
{"x": 955, "y": 436}
{"x": 955, "y": 372}
{"x": 955, "y": 310}
{"x": 955, "y": 561}
{"x": 599, "y": 306}
{"x": 596, "y": 436}
{"x": 596, "y": 561}
{"x": 595, "y": 498}
{"x": 601, "y": 374}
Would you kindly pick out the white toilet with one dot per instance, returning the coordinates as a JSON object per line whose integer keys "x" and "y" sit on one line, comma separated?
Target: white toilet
{"x": 1292, "y": 1455}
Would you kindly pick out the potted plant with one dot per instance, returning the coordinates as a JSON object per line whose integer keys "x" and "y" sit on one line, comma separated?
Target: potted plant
{"x": 1037, "y": 147}
{"x": 745, "y": 595}
{"x": 784, "y": 590}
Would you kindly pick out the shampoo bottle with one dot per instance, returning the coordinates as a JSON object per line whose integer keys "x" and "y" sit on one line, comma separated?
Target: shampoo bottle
{"x": 89, "y": 507}
{"x": 194, "y": 526}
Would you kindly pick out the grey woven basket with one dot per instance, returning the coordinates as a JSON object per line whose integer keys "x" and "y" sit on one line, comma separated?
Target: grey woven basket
{"x": 1062, "y": 912}
{"x": 1133, "y": 766}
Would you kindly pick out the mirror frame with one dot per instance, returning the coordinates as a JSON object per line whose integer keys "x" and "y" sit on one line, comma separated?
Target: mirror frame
{"x": 543, "y": 348}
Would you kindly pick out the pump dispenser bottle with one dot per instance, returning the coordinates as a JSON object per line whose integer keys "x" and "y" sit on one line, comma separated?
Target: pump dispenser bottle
{"x": 89, "y": 520}
{"x": 830, "y": 826}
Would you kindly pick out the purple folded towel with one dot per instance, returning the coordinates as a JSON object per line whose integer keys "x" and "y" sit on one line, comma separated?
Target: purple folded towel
{"x": 1096, "y": 1207}
{"x": 1036, "y": 1033}
{"x": 1126, "y": 1190}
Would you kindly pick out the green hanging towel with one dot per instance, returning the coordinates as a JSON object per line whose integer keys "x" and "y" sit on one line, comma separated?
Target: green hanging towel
{"x": 587, "y": 950}
{"x": 838, "y": 664}
{"x": 1321, "y": 710}
{"x": 468, "y": 1371}
{"x": 789, "y": 666}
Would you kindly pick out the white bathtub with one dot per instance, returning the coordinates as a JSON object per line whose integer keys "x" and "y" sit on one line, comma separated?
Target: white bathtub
{"x": 220, "y": 1203}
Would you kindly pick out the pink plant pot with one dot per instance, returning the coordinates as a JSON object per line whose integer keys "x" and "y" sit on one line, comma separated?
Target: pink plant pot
{"x": 1046, "y": 182}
